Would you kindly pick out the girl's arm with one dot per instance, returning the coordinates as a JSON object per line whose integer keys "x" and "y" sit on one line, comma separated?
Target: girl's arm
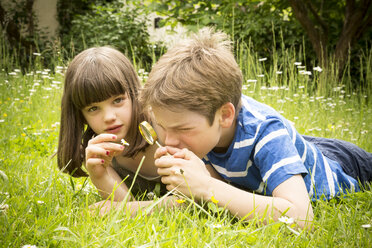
{"x": 109, "y": 183}
{"x": 106, "y": 179}
{"x": 98, "y": 157}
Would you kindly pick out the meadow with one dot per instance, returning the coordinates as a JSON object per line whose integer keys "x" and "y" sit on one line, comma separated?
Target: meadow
{"x": 42, "y": 207}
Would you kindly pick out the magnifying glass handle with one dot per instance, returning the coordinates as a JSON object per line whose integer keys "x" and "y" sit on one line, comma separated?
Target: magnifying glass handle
{"x": 160, "y": 146}
{"x": 156, "y": 142}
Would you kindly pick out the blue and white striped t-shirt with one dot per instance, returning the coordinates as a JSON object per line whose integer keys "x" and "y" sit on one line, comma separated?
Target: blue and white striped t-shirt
{"x": 267, "y": 150}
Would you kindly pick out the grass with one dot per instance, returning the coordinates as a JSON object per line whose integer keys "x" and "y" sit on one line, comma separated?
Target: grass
{"x": 41, "y": 206}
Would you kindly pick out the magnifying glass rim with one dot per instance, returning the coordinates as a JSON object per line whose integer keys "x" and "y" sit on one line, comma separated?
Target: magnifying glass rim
{"x": 145, "y": 128}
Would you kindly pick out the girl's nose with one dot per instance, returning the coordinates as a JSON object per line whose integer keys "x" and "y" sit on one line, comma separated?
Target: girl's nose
{"x": 109, "y": 116}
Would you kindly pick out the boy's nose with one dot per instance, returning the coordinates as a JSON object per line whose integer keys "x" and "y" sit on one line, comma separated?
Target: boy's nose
{"x": 171, "y": 139}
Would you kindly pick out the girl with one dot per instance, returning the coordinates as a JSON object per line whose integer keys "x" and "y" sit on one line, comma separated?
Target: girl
{"x": 99, "y": 108}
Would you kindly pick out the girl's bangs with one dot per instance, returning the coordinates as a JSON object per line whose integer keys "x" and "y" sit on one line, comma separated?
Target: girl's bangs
{"x": 96, "y": 86}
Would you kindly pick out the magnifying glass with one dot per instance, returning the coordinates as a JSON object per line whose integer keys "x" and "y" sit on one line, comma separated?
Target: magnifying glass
{"x": 148, "y": 133}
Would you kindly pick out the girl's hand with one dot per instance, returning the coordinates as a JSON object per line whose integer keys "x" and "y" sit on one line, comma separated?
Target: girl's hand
{"x": 99, "y": 153}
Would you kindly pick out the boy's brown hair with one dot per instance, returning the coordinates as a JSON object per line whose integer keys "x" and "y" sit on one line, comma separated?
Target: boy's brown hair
{"x": 199, "y": 74}
{"x": 95, "y": 75}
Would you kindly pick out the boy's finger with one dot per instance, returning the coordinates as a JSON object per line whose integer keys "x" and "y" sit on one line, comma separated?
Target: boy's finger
{"x": 161, "y": 151}
{"x": 169, "y": 161}
{"x": 184, "y": 154}
{"x": 172, "y": 150}
{"x": 187, "y": 154}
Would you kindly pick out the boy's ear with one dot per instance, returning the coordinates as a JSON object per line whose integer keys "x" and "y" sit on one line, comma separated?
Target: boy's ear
{"x": 227, "y": 115}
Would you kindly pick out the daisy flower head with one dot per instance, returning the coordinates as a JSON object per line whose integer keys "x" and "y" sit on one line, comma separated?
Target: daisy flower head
{"x": 286, "y": 220}
{"x": 124, "y": 142}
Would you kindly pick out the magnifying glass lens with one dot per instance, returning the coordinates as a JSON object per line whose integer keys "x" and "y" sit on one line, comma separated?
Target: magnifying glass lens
{"x": 148, "y": 133}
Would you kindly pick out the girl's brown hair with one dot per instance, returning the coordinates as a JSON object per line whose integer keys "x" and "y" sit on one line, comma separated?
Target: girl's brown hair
{"x": 95, "y": 75}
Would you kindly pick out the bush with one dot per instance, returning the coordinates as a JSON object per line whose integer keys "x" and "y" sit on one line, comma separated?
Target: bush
{"x": 255, "y": 22}
{"x": 115, "y": 24}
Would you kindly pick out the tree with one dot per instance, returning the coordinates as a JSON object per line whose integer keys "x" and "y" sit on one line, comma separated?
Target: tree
{"x": 13, "y": 30}
{"x": 319, "y": 17}
{"x": 333, "y": 27}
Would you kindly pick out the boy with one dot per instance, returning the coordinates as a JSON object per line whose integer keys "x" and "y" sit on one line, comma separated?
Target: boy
{"x": 194, "y": 92}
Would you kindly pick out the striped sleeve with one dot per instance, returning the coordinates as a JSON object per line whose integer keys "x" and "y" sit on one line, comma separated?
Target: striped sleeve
{"x": 275, "y": 154}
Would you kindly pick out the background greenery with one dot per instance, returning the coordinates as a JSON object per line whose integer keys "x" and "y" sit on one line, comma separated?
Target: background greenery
{"x": 327, "y": 32}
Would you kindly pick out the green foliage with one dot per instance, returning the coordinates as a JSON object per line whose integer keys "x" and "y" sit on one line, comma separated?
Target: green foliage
{"x": 68, "y": 9}
{"x": 268, "y": 26}
{"x": 115, "y": 24}
{"x": 246, "y": 21}
{"x": 25, "y": 40}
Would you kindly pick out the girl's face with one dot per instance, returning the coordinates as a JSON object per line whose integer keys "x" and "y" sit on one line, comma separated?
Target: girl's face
{"x": 111, "y": 116}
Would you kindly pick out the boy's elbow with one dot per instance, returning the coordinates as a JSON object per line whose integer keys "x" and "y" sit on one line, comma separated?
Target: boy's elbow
{"x": 305, "y": 218}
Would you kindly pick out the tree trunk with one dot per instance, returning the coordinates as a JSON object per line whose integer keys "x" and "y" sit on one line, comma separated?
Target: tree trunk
{"x": 13, "y": 33}
{"x": 357, "y": 20}
{"x": 30, "y": 17}
{"x": 317, "y": 35}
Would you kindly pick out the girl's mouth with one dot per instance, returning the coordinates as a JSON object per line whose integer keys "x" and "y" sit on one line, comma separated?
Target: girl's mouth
{"x": 114, "y": 129}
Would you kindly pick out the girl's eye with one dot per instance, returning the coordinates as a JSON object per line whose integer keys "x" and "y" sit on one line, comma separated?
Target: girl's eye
{"x": 119, "y": 100}
{"x": 92, "y": 109}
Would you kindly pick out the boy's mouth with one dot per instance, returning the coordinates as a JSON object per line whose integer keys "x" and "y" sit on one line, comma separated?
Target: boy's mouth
{"x": 114, "y": 129}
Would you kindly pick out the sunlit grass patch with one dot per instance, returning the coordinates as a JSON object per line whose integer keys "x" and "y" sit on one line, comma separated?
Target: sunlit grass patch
{"x": 41, "y": 206}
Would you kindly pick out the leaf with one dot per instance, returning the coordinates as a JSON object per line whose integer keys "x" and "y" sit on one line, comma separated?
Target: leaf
{"x": 4, "y": 176}
{"x": 213, "y": 207}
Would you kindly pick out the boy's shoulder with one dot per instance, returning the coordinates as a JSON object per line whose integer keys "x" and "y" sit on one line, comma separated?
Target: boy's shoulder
{"x": 253, "y": 114}
{"x": 258, "y": 109}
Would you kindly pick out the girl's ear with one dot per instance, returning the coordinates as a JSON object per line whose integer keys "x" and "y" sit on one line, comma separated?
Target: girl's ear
{"x": 227, "y": 115}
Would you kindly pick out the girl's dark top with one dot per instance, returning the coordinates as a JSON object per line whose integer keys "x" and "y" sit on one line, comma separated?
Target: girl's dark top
{"x": 142, "y": 185}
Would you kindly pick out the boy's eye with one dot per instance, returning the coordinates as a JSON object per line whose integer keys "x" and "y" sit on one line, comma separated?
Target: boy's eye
{"x": 184, "y": 129}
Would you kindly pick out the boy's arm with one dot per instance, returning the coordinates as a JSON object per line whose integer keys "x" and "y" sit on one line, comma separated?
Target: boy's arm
{"x": 289, "y": 198}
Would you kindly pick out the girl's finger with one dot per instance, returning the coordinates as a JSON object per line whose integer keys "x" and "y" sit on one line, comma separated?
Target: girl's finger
{"x": 96, "y": 152}
{"x": 108, "y": 146}
{"x": 92, "y": 162}
{"x": 104, "y": 137}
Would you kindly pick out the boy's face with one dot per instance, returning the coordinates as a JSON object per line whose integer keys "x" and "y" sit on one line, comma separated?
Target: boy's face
{"x": 187, "y": 129}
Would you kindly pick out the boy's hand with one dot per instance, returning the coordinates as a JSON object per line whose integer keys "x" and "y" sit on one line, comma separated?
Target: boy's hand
{"x": 166, "y": 150}
{"x": 99, "y": 153}
{"x": 183, "y": 171}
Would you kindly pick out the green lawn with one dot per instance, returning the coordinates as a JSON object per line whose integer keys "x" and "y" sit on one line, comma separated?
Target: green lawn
{"x": 43, "y": 207}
